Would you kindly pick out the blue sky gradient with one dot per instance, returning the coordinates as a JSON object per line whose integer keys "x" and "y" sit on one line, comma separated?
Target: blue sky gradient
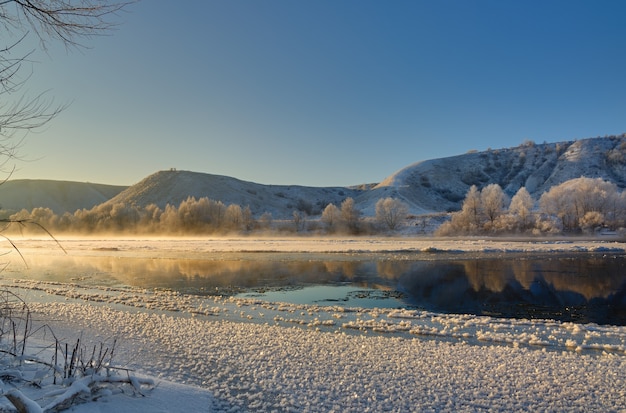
{"x": 325, "y": 93}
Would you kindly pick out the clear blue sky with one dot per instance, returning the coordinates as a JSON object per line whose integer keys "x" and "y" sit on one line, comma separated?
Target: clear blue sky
{"x": 326, "y": 92}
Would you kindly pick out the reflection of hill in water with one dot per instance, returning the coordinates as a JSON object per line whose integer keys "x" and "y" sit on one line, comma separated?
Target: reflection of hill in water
{"x": 578, "y": 288}
{"x": 589, "y": 277}
{"x": 546, "y": 286}
{"x": 174, "y": 273}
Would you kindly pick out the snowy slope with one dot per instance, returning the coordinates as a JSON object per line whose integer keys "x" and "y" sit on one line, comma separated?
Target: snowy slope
{"x": 436, "y": 185}
{"x": 172, "y": 187}
{"x": 441, "y": 184}
{"x": 428, "y": 186}
{"x": 60, "y": 196}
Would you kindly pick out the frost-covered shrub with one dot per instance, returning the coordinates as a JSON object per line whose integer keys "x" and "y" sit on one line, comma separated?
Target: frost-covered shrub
{"x": 571, "y": 201}
{"x": 616, "y": 157}
{"x": 548, "y": 225}
{"x": 305, "y": 206}
{"x": 450, "y": 196}
{"x": 474, "y": 177}
{"x": 265, "y": 220}
{"x": 507, "y": 223}
{"x": 76, "y": 373}
{"x": 591, "y": 220}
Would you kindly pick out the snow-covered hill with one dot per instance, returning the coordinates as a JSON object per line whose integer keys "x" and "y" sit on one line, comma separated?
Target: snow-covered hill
{"x": 441, "y": 184}
{"x": 429, "y": 186}
{"x": 60, "y": 196}
{"x": 173, "y": 186}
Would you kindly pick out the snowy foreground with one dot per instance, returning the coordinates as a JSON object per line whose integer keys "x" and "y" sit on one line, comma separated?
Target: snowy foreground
{"x": 214, "y": 354}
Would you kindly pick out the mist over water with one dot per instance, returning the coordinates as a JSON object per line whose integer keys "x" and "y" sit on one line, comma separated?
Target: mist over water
{"x": 579, "y": 288}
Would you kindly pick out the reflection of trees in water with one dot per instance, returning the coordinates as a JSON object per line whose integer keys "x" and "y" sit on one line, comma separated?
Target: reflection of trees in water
{"x": 591, "y": 278}
{"x": 584, "y": 289}
{"x": 392, "y": 269}
{"x": 587, "y": 277}
{"x": 487, "y": 274}
{"x": 172, "y": 273}
{"x": 349, "y": 269}
{"x": 525, "y": 272}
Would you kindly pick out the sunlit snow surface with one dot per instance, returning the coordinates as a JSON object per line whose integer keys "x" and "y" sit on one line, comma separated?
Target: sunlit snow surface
{"x": 254, "y": 355}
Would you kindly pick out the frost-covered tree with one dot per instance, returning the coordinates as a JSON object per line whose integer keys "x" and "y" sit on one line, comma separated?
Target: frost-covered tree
{"x": 149, "y": 217}
{"x": 234, "y": 216}
{"x": 557, "y": 203}
{"x": 247, "y": 218}
{"x": 124, "y": 217}
{"x": 330, "y": 216}
{"x": 350, "y": 215}
{"x": 520, "y": 209}
{"x": 45, "y": 217}
{"x": 617, "y": 211}
{"x": 299, "y": 220}
{"x": 266, "y": 220}
{"x": 217, "y": 213}
{"x": 390, "y": 212}
{"x": 479, "y": 212}
{"x": 168, "y": 220}
{"x": 194, "y": 213}
{"x": 472, "y": 208}
{"x": 492, "y": 202}
{"x": 572, "y": 200}
{"x": 469, "y": 219}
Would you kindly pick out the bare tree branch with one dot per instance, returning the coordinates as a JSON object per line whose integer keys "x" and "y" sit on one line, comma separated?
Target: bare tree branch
{"x": 66, "y": 20}
{"x": 69, "y": 22}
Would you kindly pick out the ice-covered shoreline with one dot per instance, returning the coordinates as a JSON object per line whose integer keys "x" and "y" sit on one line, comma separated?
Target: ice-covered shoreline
{"x": 251, "y": 366}
{"x": 249, "y": 355}
{"x": 198, "y": 246}
{"x": 257, "y": 356}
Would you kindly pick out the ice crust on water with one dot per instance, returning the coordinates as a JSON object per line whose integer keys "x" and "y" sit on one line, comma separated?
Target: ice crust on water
{"x": 544, "y": 333}
{"x": 258, "y": 356}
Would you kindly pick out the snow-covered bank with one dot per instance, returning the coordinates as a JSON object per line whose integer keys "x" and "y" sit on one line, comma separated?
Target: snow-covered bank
{"x": 266, "y": 367}
{"x": 197, "y": 246}
{"x": 258, "y": 356}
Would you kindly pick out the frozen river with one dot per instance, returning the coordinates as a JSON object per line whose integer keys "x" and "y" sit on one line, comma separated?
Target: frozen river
{"x": 262, "y": 353}
{"x": 583, "y": 288}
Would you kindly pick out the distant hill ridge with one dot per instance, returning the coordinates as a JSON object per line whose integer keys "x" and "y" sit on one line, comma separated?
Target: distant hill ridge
{"x": 59, "y": 196}
{"x": 429, "y": 186}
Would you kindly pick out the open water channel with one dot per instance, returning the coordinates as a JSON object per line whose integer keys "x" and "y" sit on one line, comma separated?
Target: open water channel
{"x": 585, "y": 288}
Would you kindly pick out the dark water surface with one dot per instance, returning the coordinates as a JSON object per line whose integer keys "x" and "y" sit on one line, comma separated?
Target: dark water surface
{"x": 580, "y": 288}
